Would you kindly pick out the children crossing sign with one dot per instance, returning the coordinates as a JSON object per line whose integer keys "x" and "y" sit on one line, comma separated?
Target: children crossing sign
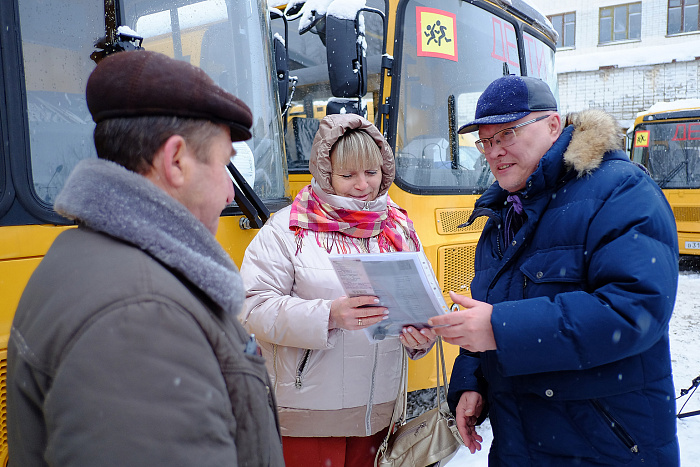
{"x": 436, "y": 33}
{"x": 641, "y": 139}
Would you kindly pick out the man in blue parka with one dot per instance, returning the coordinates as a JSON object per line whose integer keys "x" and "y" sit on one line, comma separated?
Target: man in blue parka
{"x": 565, "y": 339}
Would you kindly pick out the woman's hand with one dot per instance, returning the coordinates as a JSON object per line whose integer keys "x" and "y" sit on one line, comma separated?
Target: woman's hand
{"x": 418, "y": 340}
{"x": 354, "y": 313}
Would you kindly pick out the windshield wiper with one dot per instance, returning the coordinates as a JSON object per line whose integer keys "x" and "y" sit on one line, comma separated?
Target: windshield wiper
{"x": 673, "y": 173}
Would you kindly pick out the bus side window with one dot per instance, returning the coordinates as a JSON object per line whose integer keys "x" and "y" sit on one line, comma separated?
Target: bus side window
{"x": 56, "y": 68}
{"x": 304, "y": 132}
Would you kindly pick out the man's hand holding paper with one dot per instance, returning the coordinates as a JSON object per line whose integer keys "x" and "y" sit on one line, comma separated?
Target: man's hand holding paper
{"x": 469, "y": 328}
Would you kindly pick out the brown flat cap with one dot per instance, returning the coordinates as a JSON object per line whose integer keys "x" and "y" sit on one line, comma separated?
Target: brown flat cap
{"x": 141, "y": 83}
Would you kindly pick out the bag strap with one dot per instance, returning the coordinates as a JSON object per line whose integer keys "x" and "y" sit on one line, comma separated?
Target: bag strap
{"x": 398, "y": 416}
{"x": 440, "y": 363}
{"x": 401, "y": 405}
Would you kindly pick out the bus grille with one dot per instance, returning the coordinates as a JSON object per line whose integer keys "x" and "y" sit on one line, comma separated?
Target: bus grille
{"x": 686, "y": 213}
{"x": 449, "y": 219}
{"x": 456, "y": 265}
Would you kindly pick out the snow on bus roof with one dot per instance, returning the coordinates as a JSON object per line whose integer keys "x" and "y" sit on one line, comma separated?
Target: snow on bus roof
{"x": 679, "y": 104}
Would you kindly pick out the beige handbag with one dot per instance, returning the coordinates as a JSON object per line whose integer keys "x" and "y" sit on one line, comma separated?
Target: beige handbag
{"x": 422, "y": 441}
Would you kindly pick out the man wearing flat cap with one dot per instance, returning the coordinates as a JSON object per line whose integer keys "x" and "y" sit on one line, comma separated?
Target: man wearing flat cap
{"x": 564, "y": 343}
{"x": 125, "y": 349}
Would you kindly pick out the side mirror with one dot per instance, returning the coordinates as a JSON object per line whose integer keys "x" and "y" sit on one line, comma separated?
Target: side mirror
{"x": 282, "y": 67}
{"x": 347, "y": 58}
{"x": 346, "y": 49}
{"x": 279, "y": 47}
{"x": 346, "y": 106}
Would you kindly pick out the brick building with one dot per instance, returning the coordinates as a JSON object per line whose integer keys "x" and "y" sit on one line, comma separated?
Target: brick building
{"x": 624, "y": 56}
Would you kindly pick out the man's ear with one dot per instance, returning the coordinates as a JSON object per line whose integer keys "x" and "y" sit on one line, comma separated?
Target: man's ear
{"x": 554, "y": 125}
{"x": 168, "y": 163}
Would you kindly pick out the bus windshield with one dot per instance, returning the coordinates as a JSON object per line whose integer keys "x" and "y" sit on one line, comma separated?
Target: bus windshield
{"x": 229, "y": 39}
{"x": 451, "y": 51}
{"x": 671, "y": 152}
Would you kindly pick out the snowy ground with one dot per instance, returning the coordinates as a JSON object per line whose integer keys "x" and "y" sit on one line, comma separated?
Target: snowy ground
{"x": 685, "y": 354}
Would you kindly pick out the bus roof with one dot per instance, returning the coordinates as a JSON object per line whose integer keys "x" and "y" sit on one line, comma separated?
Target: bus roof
{"x": 678, "y": 109}
{"x": 680, "y": 104}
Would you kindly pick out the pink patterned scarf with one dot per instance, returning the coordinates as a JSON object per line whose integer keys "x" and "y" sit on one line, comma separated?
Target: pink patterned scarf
{"x": 310, "y": 213}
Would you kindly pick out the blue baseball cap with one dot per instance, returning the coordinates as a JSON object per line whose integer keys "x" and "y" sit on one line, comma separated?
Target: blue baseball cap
{"x": 510, "y": 98}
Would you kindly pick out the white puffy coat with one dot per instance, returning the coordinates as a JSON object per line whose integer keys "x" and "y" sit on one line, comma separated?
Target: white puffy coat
{"x": 328, "y": 383}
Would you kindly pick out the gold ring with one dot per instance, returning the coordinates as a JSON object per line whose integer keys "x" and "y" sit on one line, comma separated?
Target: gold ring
{"x": 359, "y": 321}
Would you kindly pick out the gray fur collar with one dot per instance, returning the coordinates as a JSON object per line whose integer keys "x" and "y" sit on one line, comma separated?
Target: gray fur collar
{"x": 107, "y": 198}
{"x": 596, "y": 133}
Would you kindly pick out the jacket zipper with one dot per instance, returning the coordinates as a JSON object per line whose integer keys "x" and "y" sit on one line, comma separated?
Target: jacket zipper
{"x": 619, "y": 431}
{"x": 300, "y": 368}
{"x": 498, "y": 245}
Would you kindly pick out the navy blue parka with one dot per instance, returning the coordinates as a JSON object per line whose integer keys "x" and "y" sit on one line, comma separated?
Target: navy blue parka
{"x": 582, "y": 298}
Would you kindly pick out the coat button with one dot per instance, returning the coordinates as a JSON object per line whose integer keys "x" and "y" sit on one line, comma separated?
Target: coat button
{"x": 540, "y": 274}
{"x": 514, "y": 243}
{"x": 549, "y": 393}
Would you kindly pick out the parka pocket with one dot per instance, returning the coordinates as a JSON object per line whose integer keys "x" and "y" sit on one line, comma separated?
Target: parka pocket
{"x": 618, "y": 429}
{"x": 574, "y": 429}
{"x": 547, "y": 273}
{"x": 301, "y": 366}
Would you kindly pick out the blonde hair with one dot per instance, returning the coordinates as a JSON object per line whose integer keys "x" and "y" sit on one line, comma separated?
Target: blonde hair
{"x": 356, "y": 150}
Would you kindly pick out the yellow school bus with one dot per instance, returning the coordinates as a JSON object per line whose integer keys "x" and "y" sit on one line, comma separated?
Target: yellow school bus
{"x": 666, "y": 140}
{"x": 49, "y": 48}
{"x": 426, "y": 65}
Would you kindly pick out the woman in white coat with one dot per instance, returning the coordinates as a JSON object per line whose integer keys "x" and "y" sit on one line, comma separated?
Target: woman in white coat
{"x": 335, "y": 389}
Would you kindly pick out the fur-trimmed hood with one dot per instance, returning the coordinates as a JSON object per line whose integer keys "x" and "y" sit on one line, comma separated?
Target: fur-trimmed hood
{"x": 595, "y": 133}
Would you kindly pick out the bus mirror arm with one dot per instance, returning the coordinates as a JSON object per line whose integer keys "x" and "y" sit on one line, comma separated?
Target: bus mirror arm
{"x": 250, "y": 203}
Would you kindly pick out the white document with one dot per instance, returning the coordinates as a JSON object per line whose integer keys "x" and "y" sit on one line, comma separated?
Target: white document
{"x": 404, "y": 282}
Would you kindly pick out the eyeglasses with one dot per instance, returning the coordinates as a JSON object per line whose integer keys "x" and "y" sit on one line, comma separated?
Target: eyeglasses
{"x": 503, "y": 138}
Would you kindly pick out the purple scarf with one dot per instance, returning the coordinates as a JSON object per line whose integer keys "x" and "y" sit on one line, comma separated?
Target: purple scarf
{"x": 515, "y": 218}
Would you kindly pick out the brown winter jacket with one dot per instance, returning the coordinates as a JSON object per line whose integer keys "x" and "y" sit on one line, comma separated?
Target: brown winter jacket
{"x": 123, "y": 355}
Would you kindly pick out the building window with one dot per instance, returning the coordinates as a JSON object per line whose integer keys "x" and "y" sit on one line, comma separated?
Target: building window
{"x": 682, "y": 16}
{"x": 620, "y": 22}
{"x": 565, "y": 24}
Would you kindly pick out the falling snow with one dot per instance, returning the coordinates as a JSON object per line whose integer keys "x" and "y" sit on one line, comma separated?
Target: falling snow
{"x": 685, "y": 356}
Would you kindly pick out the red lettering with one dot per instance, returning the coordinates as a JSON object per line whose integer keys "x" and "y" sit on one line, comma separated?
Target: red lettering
{"x": 510, "y": 33}
{"x": 503, "y": 42}
{"x": 535, "y": 57}
{"x": 498, "y": 40}
{"x": 694, "y": 131}
{"x": 680, "y": 128}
